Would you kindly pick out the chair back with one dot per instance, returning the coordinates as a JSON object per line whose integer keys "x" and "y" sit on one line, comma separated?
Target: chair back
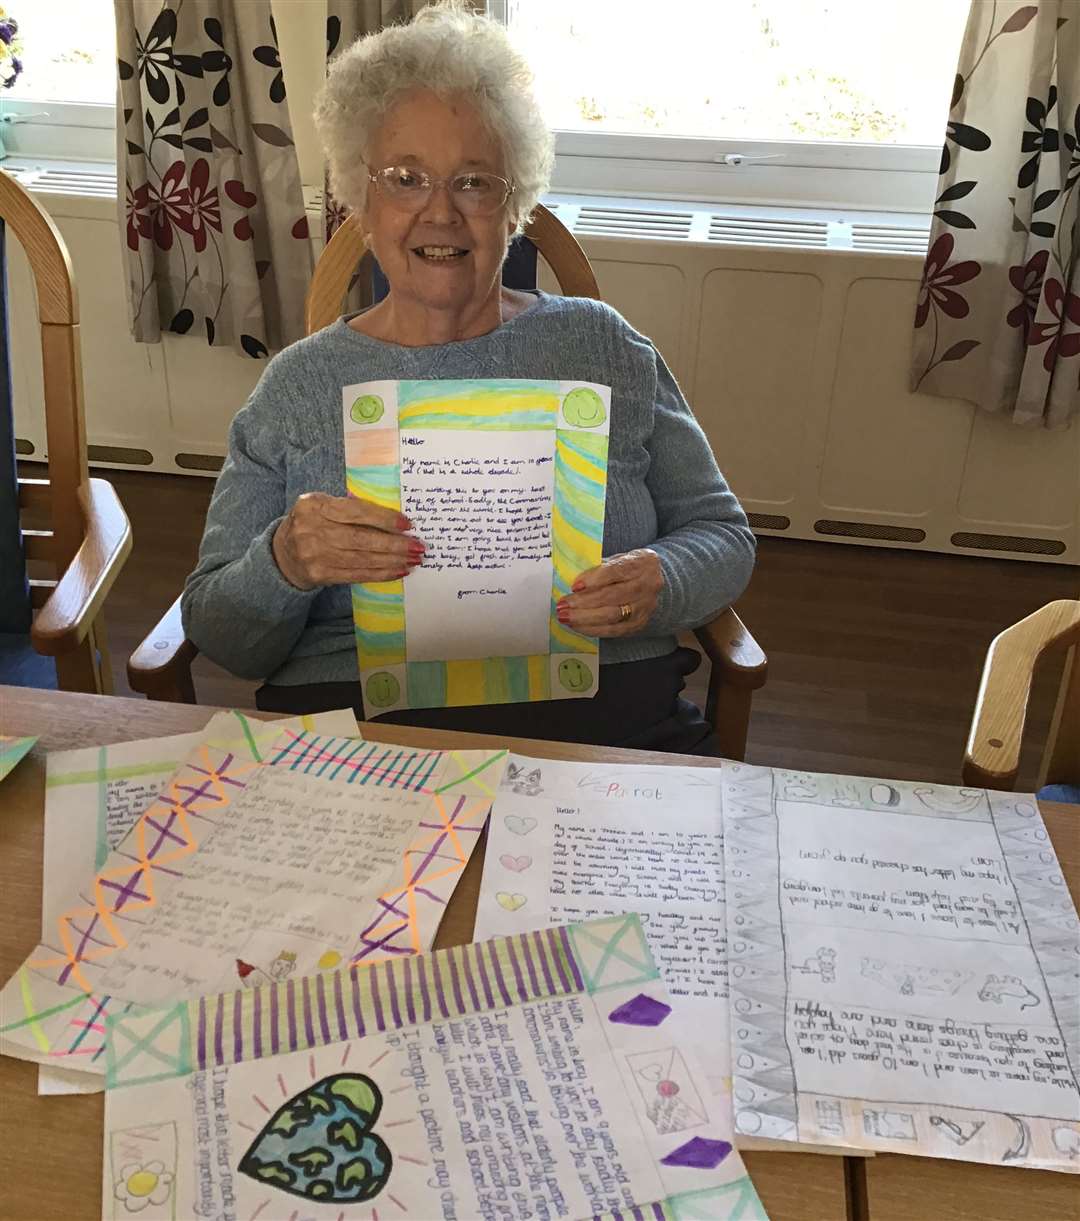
{"x": 337, "y": 265}
{"x": 50, "y": 507}
{"x": 992, "y": 758}
{"x": 67, "y": 531}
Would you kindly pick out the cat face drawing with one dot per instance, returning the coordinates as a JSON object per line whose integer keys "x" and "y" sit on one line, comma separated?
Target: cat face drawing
{"x": 524, "y": 783}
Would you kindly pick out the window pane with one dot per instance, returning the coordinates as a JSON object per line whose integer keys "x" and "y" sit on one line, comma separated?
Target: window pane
{"x": 69, "y": 50}
{"x": 878, "y": 71}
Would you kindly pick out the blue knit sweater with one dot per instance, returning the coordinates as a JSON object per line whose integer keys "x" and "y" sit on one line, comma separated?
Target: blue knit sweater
{"x": 664, "y": 489}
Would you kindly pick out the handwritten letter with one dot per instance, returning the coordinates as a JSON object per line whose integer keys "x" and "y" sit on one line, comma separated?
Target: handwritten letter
{"x": 913, "y": 932}
{"x": 483, "y": 508}
{"x": 505, "y": 483}
{"x": 501, "y": 1080}
{"x": 573, "y": 841}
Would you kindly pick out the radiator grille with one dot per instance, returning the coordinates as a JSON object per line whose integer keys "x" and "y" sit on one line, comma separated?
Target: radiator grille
{"x": 72, "y": 182}
{"x": 768, "y": 521}
{"x": 1008, "y": 542}
{"x": 754, "y": 231}
{"x": 864, "y": 529}
{"x": 889, "y": 239}
{"x": 633, "y": 222}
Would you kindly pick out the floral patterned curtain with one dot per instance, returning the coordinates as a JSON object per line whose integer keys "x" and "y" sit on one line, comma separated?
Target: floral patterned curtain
{"x": 998, "y": 314}
{"x": 217, "y": 236}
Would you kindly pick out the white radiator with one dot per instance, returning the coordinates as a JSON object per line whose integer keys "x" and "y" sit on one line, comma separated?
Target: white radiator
{"x": 788, "y": 329}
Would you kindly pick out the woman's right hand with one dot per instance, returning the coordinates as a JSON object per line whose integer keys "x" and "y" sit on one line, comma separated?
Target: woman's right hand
{"x": 340, "y": 540}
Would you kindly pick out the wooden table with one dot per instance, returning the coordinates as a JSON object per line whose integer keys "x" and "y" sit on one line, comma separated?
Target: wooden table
{"x": 50, "y": 1148}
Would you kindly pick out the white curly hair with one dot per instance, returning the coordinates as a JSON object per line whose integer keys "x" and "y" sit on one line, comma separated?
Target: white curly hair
{"x": 449, "y": 50}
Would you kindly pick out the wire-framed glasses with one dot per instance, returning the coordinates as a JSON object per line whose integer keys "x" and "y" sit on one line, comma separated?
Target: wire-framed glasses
{"x": 474, "y": 192}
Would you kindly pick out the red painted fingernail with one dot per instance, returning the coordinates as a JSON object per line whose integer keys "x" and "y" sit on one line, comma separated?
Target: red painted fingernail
{"x": 416, "y": 546}
{"x": 403, "y": 573}
{"x": 563, "y": 615}
{"x": 403, "y": 522}
{"x": 578, "y": 586}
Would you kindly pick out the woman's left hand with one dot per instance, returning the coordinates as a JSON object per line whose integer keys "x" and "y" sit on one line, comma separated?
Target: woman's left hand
{"x": 617, "y": 598}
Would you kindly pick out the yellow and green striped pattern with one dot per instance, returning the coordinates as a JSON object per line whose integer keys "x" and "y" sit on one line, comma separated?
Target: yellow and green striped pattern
{"x": 488, "y": 680}
{"x": 577, "y": 524}
{"x": 487, "y": 404}
{"x": 381, "y": 484}
{"x": 379, "y": 622}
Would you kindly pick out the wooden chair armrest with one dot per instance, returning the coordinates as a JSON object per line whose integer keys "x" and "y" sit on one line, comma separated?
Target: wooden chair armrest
{"x": 992, "y": 754}
{"x": 64, "y": 621}
{"x": 731, "y": 649}
{"x": 738, "y": 668}
{"x": 160, "y": 668}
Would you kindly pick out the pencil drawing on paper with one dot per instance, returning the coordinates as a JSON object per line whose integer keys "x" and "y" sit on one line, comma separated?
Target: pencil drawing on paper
{"x": 667, "y": 1087}
{"x": 1004, "y": 988}
{"x": 913, "y": 979}
{"x": 959, "y": 1131}
{"x": 822, "y": 964}
{"x": 830, "y": 1115}
{"x": 888, "y": 1125}
{"x": 524, "y": 783}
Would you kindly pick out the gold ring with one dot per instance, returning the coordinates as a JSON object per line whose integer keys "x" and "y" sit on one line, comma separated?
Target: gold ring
{"x": 625, "y": 611}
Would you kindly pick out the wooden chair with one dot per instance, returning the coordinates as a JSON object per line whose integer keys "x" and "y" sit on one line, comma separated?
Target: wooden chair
{"x": 161, "y": 666}
{"x": 992, "y": 756}
{"x": 90, "y": 537}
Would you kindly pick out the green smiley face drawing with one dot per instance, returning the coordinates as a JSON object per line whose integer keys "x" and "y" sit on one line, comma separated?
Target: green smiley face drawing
{"x": 574, "y": 675}
{"x": 368, "y": 409}
{"x": 584, "y": 408}
{"x": 382, "y": 689}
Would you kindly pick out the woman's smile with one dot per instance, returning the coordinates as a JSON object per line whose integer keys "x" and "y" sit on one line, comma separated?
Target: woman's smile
{"x": 440, "y": 254}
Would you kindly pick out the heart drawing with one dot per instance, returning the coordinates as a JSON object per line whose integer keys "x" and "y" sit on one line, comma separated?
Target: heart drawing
{"x": 320, "y": 1144}
{"x": 510, "y": 902}
{"x": 520, "y": 824}
{"x": 515, "y": 863}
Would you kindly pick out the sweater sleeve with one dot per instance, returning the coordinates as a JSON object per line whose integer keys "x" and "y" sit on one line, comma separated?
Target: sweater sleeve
{"x": 704, "y": 542}
{"x": 236, "y": 606}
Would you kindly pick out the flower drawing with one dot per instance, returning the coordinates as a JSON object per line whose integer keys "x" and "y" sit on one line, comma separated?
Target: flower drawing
{"x": 140, "y": 1185}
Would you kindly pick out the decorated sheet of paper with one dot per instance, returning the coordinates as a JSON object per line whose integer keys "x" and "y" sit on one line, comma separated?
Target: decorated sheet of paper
{"x": 329, "y": 850}
{"x": 572, "y": 841}
{"x": 540, "y": 1075}
{"x": 505, "y": 482}
{"x": 11, "y": 751}
{"x": 904, "y": 969}
{"x": 93, "y": 796}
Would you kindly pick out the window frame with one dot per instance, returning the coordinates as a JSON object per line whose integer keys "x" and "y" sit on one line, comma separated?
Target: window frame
{"x": 74, "y": 131}
{"x": 805, "y": 173}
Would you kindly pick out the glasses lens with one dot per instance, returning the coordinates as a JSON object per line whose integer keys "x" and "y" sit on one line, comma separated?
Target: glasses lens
{"x": 405, "y": 186}
{"x": 479, "y": 193}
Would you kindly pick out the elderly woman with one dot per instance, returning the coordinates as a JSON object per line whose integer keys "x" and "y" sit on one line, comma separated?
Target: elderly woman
{"x": 435, "y": 140}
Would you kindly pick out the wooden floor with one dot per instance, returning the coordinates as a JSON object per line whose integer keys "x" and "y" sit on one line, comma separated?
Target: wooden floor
{"x": 874, "y": 654}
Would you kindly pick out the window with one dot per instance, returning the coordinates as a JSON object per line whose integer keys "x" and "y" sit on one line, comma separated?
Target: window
{"x": 719, "y": 99}
{"x": 63, "y": 103}
{"x": 69, "y": 51}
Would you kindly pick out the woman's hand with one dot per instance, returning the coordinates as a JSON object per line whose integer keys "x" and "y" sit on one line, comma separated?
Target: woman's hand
{"x": 602, "y": 595}
{"x": 340, "y": 540}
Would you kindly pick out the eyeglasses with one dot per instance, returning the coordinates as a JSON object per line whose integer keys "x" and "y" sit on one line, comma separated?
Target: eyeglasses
{"x": 474, "y": 192}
